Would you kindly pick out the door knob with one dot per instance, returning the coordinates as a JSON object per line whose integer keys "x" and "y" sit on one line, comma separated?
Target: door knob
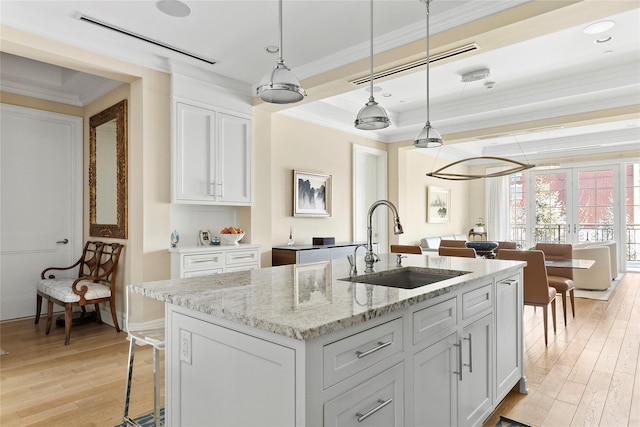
{"x": 64, "y": 242}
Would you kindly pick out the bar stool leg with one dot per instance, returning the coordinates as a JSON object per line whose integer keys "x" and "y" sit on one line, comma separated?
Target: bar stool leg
{"x": 156, "y": 388}
{"x": 132, "y": 345}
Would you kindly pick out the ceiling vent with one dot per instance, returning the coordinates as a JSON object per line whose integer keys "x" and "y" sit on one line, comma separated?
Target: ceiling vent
{"x": 418, "y": 63}
{"x": 143, "y": 38}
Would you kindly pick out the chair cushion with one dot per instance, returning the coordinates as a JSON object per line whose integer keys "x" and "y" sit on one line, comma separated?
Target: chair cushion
{"x": 560, "y": 283}
{"x": 60, "y": 289}
{"x": 433, "y": 242}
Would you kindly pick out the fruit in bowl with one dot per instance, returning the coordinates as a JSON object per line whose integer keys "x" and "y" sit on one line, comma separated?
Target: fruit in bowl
{"x": 231, "y": 235}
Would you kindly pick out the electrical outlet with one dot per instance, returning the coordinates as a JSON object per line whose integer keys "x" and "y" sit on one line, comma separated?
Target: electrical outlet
{"x": 185, "y": 346}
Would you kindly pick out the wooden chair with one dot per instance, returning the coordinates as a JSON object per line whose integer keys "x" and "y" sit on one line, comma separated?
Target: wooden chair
{"x": 453, "y": 243}
{"x": 406, "y": 249}
{"x": 96, "y": 283}
{"x": 460, "y": 252}
{"x": 537, "y": 291}
{"x": 505, "y": 245}
{"x": 560, "y": 278}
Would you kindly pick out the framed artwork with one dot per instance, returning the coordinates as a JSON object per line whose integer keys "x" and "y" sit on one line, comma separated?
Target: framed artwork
{"x": 438, "y": 204}
{"x": 311, "y": 194}
{"x": 312, "y": 284}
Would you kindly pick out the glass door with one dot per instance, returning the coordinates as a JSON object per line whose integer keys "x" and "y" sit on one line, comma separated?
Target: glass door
{"x": 551, "y": 209}
{"x": 574, "y": 205}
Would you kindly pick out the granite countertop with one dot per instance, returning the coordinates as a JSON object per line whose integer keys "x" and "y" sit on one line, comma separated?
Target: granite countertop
{"x": 296, "y": 301}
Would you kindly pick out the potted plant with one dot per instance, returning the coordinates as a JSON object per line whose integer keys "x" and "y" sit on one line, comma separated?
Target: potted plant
{"x": 479, "y": 227}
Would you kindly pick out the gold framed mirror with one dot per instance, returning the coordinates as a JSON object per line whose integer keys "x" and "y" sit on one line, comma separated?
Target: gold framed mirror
{"x": 108, "y": 208}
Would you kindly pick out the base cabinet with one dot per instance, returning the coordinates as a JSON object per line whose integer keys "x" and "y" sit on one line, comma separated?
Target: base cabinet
{"x": 210, "y": 376}
{"x": 432, "y": 363}
{"x": 206, "y": 260}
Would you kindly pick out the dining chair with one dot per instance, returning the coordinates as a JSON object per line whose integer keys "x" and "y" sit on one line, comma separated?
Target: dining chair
{"x": 505, "y": 245}
{"x": 95, "y": 283}
{"x": 145, "y": 325}
{"x": 560, "y": 278}
{"x": 459, "y": 252}
{"x": 453, "y": 243}
{"x": 406, "y": 249}
{"x": 537, "y": 291}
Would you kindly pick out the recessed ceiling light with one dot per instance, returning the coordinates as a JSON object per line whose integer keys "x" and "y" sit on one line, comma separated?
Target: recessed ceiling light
{"x": 272, "y": 49}
{"x": 386, "y": 94}
{"x": 375, "y": 89}
{"x": 603, "y": 40}
{"x": 174, "y": 8}
{"x": 599, "y": 27}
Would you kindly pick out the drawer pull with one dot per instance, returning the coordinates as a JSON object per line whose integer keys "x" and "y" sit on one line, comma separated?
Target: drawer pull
{"x": 380, "y": 346}
{"x": 198, "y": 261}
{"x": 242, "y": 256}
{"x": 382, "y": 404}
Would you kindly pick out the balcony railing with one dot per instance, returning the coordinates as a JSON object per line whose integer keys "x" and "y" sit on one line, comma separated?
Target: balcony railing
{"x": 557, "y": 233}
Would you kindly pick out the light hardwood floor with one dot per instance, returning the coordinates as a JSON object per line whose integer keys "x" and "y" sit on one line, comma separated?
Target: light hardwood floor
{"x": 588, "y": 375}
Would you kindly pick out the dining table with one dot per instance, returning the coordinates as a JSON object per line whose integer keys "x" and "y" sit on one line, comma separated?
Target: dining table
{"x": 570, "y": 263}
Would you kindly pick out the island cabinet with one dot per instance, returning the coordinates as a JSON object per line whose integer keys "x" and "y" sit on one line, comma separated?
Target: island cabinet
{"x": 446, "y": 360}
{"x": 212, "y": 155}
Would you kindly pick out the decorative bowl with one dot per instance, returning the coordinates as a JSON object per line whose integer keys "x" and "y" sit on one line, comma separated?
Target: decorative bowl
{"x": 231, "y": 239}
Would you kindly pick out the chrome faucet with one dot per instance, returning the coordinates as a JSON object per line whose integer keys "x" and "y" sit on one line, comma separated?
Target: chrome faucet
{"x": 370, "y": 258}
{"x": 353, "y": 271}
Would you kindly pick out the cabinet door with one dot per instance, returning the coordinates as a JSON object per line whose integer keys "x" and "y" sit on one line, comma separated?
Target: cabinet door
{"x": 508, "y": 340}
{"x": 226, "y": 378}
{"x": 233, "y": 174}
{"x": 193, "y": 154}
{"x": 435, "y": 384}
{"x": 475, "y": 392}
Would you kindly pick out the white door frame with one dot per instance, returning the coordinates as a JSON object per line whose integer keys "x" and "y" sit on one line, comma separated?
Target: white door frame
{"x": 360, "y": 208}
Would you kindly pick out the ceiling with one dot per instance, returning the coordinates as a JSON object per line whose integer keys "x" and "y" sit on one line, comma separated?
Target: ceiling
{"x": 556, "y": 92}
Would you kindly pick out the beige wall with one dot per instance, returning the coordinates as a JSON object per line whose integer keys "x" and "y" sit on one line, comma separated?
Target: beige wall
{"x": 146, "y": 255}
{"x": 304, "y": 146}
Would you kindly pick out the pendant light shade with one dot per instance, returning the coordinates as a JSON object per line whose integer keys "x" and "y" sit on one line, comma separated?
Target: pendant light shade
{"x": 372, "y": 116}
{"x": 428, "y": 136}
{"x": 280, "y": 86}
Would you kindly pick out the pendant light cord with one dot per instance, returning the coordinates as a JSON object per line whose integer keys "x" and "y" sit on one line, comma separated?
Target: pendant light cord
{"x": 371, "y": 51}
{"x": 280, "y": 22}
{"x": 428, "y": 61}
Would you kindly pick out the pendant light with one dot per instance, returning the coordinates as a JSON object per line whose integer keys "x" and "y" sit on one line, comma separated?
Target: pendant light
{"x": 428, "y": 136}
{"x": 280, "y": 86}
{"x": 372, "y": 116}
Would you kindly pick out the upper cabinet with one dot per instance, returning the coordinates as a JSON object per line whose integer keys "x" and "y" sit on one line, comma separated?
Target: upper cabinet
{"x": 212, "y": 151}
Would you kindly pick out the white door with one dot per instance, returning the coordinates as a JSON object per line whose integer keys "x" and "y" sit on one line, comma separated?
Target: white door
{"x": 369, "y": 185}
{"x": 41, "y": 204}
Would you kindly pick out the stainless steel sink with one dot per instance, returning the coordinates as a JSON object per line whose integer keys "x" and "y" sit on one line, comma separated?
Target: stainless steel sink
{"x": 407, "y": 277}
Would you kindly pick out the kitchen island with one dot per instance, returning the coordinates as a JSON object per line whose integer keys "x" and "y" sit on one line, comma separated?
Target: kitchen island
{"x": 296, "y": 345}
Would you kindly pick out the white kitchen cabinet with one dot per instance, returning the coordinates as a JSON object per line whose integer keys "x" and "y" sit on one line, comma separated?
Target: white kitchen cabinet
{"x": 211, "y": 378}
{"x": 475, "y": 384}
{"x": 508, "y": 317}
{"x": 212, "y": 156}
{"x": 377, "y": 402}
{"x": 454, "y": 373}
{"x": 204, "y": 260}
